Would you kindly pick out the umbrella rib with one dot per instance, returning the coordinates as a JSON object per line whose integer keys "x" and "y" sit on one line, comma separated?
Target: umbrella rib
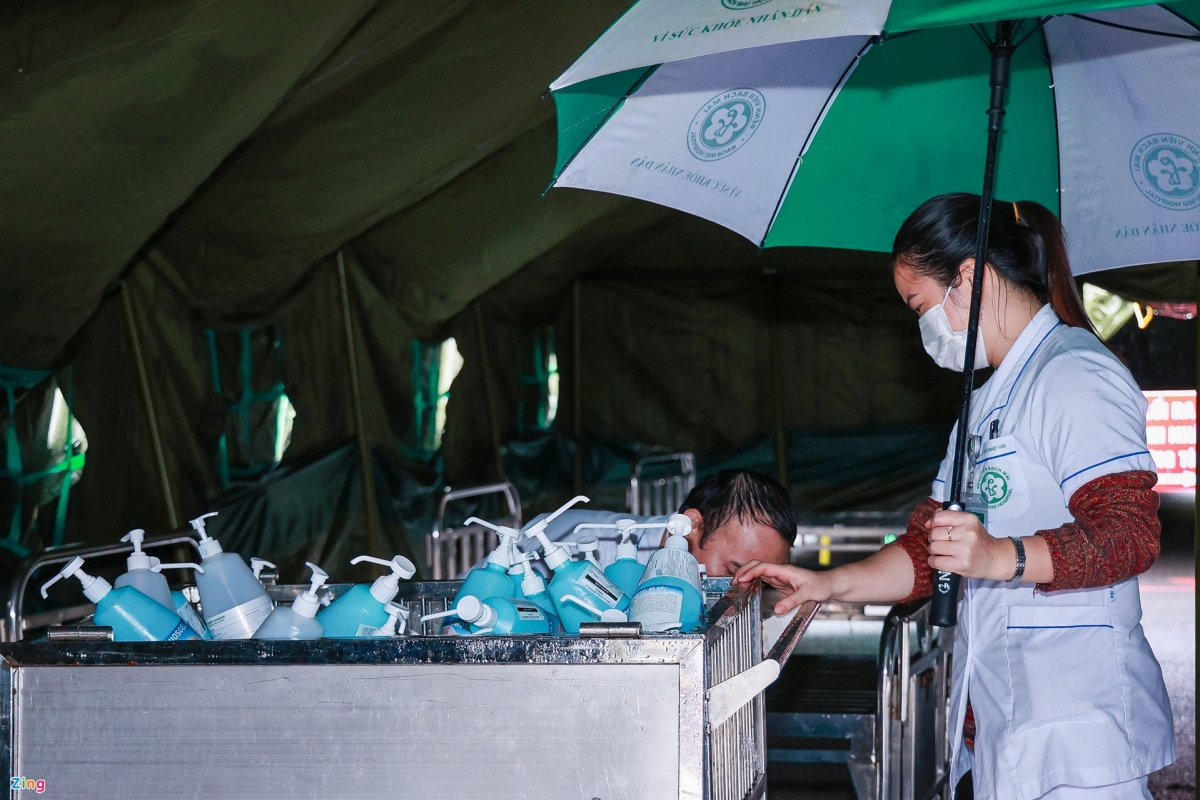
{"x": 1185, "y": 36}
{"x": 837, "y": 87}
{"x": 616, "y": 107}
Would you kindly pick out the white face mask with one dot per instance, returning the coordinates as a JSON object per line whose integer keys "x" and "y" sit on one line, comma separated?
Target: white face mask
{"x": 946, "y": 346}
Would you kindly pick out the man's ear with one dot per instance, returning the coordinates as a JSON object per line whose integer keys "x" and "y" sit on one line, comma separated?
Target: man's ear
{"x": 697, "y": 522}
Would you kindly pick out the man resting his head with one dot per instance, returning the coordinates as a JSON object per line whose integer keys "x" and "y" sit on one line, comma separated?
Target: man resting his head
{"x": 738, "y": 516}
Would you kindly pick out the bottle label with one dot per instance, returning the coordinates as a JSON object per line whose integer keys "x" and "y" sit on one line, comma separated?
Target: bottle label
{"x": 239, "y": 622}
{"x": 367, "y": 630}
{"x": 596, "y": 584}
{"x": 182, "y": 631}
{"x": 675, "y": 564}
{"x": 658, "y": 608}
{"x": 528, "y": 611}
{"x": 190, "y": 616}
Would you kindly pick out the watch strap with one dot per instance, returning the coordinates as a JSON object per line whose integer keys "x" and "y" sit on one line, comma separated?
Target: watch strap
{"x": 1020, "y": 573}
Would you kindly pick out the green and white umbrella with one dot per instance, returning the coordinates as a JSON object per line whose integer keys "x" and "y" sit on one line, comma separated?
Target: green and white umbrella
{"x": 809, "y": 125}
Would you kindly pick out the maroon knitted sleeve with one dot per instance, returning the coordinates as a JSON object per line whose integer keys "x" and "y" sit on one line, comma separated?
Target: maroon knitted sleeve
{"x": 915, "y": 542}
{"x": 1115, "y": 535}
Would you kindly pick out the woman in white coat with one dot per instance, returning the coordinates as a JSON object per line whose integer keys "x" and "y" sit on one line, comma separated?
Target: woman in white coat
{"x": 1056, "y": 693}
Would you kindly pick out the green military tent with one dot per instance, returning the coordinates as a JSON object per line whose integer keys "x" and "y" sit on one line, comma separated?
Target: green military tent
{"x": 205, "y": 206}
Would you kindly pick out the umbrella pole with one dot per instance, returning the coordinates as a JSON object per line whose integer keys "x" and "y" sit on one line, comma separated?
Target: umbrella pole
{"x": 944, "y": 610}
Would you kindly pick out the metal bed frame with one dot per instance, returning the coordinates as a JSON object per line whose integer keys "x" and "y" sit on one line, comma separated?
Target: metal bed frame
{"x": 452, "y": 551}
{"x": 664, "y": 493}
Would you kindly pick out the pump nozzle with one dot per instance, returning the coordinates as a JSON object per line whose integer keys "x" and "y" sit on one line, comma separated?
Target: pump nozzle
{"x": 306, "y": 604}
{"x": 385, "y": 587}
{"x": 93, "y": 588}
{"x": 607, "y": 615}
{"x": 469, "y": 610}
{"x": 257, "y": 564}
{"x": 679, "y": 525}
{"x": 588, "y": 545}
{"x": 532, "y": 583}
{"x": 208, "y": 545}
{"x": 554, "y": 555}
{"x": 160, "y": 567}
{"x": 502, "y": 555}
{"x": 137, "y": 559}
{"x": 397, "y": 619}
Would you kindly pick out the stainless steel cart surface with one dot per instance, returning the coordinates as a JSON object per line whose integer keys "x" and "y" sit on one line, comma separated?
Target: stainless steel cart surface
{"x": 607, "y": 717}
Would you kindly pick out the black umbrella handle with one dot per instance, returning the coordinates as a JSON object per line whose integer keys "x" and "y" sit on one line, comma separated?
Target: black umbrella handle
{"x": 944, "y": 606}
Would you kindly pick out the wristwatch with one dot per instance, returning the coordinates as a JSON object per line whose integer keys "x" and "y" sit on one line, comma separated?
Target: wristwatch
{"x": 1020, "y": 573}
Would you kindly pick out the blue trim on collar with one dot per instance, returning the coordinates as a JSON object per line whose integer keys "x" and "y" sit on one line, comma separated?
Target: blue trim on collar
{"x": 1102, "y": 463}
{"x": 1017, "y": 379}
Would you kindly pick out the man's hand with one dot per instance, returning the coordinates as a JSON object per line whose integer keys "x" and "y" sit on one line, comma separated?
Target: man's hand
{"x": 959, "y": 543}
{"x": 803, "y": 584}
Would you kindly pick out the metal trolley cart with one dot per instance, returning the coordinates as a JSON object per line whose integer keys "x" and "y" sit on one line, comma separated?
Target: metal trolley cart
{"x": 610, "y": 714}
{"x": 868, "y": 687}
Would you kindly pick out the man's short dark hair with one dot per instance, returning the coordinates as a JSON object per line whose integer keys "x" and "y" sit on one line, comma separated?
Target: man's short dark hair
{"x": 744, "y": 495}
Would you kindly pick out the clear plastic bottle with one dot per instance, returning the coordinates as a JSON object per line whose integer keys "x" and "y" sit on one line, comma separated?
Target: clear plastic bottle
{"x": 133, "y": 616}
{"x": 669, "y": 595}
{"x": 233, "y": 601}
{"x": 297, "y": 621}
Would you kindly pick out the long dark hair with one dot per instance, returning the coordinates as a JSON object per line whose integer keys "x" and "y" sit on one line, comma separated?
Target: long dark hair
{"x": 1026, "y": 248}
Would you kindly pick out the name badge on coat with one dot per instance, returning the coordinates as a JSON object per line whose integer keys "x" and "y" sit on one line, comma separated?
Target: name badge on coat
{"x": 1000, "y": 480}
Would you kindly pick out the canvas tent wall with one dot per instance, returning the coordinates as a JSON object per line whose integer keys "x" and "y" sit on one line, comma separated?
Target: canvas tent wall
{"x": 186, "y": 167}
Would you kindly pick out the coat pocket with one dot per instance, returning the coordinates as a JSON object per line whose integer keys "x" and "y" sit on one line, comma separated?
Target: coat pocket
{"x": 1063, "y": 666}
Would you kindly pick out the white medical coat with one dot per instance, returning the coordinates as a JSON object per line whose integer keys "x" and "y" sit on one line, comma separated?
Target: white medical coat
{"x": 1064, "y": 686}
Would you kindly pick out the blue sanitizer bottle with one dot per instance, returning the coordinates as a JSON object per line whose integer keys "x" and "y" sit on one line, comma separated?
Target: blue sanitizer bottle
{"x": 492, "y": 580}
{"x": 361, "y": 611}
{"x": 133, "y": 616}
{"x": 669, "y": 596}
{"x": 234, "y": 602}
{"x": 579, "y": 589}
{"x": 498, "y": 616}
{"x": 297, "y": 621}
{"x": 626, "y": 571}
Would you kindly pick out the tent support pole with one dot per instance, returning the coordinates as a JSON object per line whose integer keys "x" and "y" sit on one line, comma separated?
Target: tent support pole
{"x": 772, "y": 287}
{"x": 577, "y": 384}
{"x": 489, "y": 388}
{"x": 139, "y": 362}
{"x": 944, "y": 606}
{"x": 365, "y": 464}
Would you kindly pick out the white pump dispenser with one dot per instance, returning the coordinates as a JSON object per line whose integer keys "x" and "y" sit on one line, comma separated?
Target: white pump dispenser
{"x": 397, "y": 620}
{"x": 137, "y": 559}
{"x": 297, "y": 621}
{"x": 627, "y": 547}
{"x": 588, "y": 545}
{"x": 554, "y": 555}
{"x": 94, "y": 588}
{"x": 256, "y": 566}
{"x": 386, "y": 587}
{"x": 503, "y": 554}
{"x": 208, "y": 545}
{"x": 306, "y": 605}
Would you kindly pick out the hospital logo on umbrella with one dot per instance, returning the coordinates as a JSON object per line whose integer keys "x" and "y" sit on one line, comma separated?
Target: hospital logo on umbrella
{"x": 738, "y": 5}
{"x": 1166, "y": 168}
{"x": 725, "y": 123}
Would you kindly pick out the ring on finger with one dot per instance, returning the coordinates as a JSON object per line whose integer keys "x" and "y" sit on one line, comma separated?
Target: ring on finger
{"x": 949, "y": 528}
